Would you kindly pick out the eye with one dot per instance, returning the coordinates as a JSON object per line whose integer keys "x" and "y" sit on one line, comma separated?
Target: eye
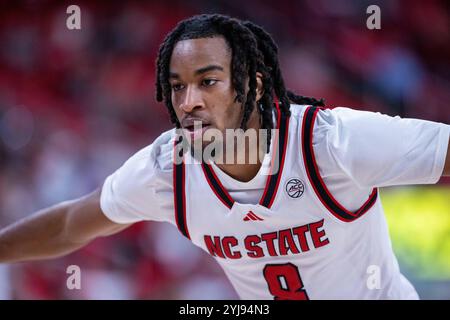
{"x": 177, "y": 87}
{"x": 209, "y": 82}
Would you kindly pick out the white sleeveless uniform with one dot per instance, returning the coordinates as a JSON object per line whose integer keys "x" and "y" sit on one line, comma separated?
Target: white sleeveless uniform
{"x": 298, "y": 241}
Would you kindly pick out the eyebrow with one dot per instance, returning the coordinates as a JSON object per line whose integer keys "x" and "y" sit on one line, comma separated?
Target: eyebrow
{"x": 197, "y": 72}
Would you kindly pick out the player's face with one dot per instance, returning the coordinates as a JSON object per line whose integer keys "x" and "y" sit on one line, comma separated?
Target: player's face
{"x": 200, "y": 77}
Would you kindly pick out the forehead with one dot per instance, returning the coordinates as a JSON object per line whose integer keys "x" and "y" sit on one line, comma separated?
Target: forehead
{"x": 196, "y": 53}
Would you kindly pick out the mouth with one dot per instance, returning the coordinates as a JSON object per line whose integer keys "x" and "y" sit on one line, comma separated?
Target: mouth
{"x": 192, "y": 128}
{"x": 195, "y": 130}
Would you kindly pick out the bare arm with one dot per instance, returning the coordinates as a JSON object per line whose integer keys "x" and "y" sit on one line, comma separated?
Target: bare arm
{"x": 447, "y": 163}
{"x": 56, "y": 231}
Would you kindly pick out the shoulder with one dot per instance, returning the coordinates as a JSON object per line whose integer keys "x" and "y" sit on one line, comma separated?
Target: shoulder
{"x": 343, "y": 131}
{"x": 339, "y": 116}
{"x": 331, "y": 116}
{"x": 156, "y": 156}
{"x": 161, "y": 152}
{"x": 327, "y": 115}
{"x": 148, "y": 166}
{"x": 140, "y": 189}
{"x": 297, "y": 110}
{"x": 339, "y": 122}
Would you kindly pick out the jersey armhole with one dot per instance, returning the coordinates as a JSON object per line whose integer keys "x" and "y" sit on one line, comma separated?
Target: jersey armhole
{"x": 315, "y": 178}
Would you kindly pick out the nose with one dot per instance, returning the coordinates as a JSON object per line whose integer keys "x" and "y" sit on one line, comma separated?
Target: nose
{"x": 192, "y": 100}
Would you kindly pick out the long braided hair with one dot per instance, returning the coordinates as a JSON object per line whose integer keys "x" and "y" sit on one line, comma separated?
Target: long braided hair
{"x": 253, "y": 50}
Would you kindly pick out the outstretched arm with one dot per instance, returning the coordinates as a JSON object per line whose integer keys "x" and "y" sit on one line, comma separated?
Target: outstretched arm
{"x": 56, "y": 231}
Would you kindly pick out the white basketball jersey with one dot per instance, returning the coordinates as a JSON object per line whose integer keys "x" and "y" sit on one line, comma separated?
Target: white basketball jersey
{"x": 292, "y": 238}
{"x": 298, "y": 242}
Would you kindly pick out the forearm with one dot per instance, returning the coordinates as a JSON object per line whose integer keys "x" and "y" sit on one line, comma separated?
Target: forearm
{"x": 40, "y": 236}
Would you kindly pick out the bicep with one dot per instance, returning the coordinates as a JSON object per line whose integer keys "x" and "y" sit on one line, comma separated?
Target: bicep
{"x": 86, "y": 221}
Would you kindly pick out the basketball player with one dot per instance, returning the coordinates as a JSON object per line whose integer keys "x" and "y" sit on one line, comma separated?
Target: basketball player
{"x": 310, "y": 229}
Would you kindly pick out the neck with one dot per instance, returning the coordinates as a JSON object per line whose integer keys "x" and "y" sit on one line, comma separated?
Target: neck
{"x": 246, "y": 171}
{"x": 241, "y": 172}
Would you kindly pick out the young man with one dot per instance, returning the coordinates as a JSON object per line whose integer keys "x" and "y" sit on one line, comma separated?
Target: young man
{"x": 310, "y": 229}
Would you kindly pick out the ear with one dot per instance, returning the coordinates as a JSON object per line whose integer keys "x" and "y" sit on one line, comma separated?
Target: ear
{"x": 259, "y": 86}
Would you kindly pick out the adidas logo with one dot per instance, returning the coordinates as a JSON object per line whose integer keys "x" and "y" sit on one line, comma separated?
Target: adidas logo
{"x": 252, "y": 216}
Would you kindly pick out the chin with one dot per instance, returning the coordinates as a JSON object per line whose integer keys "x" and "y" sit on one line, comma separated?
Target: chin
{"x": 205, "y": 150}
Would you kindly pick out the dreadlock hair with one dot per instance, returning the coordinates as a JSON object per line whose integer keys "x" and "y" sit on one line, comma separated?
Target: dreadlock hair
{"x": 253, "y": 50}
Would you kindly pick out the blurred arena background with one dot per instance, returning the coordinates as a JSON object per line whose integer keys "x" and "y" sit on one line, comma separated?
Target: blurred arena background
{"x": 74, "y": 104}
